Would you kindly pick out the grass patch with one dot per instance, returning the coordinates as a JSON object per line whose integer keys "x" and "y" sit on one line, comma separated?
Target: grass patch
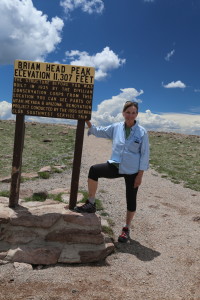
{"x": 36, "y": 152}
{"x": 35, "y": 198}
{"x": 177, "y": 157}
{"x": 108, "y": 230}
{"x": 4, "y": 193}
{"x": 57, "y": 197}
{"x": 104, "y": 214}
{"x": 44, "y": 175}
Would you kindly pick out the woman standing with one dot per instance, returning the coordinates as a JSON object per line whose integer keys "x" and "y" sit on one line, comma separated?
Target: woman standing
{"x": 129, "y": 159}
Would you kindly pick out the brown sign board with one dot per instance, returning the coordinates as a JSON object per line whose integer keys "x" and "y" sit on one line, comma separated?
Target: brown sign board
{"x": 52, "y": 90}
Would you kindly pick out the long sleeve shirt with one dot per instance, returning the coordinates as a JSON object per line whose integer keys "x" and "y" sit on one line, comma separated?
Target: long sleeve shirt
{"x": 132, "y": 154}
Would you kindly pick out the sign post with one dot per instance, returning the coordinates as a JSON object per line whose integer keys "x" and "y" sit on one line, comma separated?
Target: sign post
{"x": 17, "y": 161}
{"x": 76, "y": 163}
{"x": 50, "y": 90}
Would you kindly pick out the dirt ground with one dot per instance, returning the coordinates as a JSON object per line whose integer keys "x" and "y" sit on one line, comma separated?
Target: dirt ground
{"x": 161, "y": 261}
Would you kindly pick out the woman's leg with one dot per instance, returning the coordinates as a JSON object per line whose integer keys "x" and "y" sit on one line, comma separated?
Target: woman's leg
{"x": 92, "y": 187}
{"x": 129, "y": 217}
{"x": 104, "y": 170}
{"x": 131, "y": 197}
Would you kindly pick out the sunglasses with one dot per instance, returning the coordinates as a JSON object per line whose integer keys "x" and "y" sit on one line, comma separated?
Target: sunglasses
{"x": 135, "y": 103}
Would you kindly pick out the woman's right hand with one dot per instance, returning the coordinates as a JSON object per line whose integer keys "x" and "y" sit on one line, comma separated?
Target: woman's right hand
{"x": 88, "y": 123}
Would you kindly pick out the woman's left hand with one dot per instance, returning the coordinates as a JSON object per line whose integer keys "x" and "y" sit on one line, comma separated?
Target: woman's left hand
{"x": 138, "y": 179}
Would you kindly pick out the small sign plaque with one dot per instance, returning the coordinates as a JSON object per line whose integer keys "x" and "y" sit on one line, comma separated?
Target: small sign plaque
{"x": 52, "y": 90}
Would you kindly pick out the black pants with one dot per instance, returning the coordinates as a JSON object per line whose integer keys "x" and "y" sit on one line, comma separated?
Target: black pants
{"x": 107, "y": 170}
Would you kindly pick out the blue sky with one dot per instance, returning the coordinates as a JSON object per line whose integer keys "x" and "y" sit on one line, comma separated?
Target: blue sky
{"x": 147, "y": 50}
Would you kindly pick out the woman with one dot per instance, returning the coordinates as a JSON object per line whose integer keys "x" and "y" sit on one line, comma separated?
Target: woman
{"x": 129, "y": 159}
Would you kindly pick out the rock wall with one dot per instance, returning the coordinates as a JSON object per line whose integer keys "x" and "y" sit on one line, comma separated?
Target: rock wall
{"x": 48, "y": 233}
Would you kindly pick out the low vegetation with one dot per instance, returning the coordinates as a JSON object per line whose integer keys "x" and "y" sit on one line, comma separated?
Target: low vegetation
{"x": 44, "y": 144}
{"x": 175, "y": 156}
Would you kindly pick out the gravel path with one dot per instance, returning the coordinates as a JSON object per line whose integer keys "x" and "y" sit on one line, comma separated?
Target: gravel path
{"x": 162, "y": 260}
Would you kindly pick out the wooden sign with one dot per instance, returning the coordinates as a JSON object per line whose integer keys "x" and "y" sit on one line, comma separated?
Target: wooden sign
{"x": 52, "y": 90}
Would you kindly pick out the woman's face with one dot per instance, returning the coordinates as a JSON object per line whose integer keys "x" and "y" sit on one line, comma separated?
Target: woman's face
{"x": 130, "y": 114}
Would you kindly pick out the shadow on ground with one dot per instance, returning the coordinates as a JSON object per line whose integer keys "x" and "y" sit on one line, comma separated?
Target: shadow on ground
{"x": 135, "y": 248}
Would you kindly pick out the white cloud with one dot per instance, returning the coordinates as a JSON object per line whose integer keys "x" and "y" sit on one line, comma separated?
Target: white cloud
{"x": 110, "y": 110}
{"x": 26, "y": 34}
{"x": 189, "y": 123}
{"x": 5, "y": 111}
{"x": 173, "y": 85}
{"x": 103, "y": 61}
{"x": 88, "y": 6}
{"x": 169, "y": 55}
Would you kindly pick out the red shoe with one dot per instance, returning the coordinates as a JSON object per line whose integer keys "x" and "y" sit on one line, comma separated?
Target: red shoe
{"x": 124, "y": 236}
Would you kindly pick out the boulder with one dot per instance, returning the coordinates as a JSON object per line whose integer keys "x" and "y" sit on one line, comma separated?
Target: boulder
{"x": 47, "y": 233}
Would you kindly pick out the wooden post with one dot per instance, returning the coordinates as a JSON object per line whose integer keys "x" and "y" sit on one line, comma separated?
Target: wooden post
{"x": 76, "y": 163}
{"x": 17, "y": 161}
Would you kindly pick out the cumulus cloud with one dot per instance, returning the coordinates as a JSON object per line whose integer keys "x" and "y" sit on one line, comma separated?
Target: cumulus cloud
{"x": 169, "y": 55}
{"x": 5, "y": 111}
{"x": 110, "y": 110}
{"x": 88, "y": 6}
{"x": 26, "y": 34}
{"x": 173, "y": 85}
{"x": 103, "y": 61}
{"x": 189, "y": 123}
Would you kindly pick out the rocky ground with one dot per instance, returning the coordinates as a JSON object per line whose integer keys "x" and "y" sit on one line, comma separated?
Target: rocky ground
{"x": 161, "y": 261}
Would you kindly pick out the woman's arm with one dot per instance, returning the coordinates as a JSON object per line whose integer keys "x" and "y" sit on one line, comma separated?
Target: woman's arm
{"x": 89, "y": 124}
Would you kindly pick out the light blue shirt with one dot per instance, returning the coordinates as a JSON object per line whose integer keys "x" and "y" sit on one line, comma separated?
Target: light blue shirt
{"x": 132, "y": 154}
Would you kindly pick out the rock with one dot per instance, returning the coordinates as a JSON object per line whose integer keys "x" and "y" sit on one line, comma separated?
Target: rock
{"x": 77, "y": 236}
{"x": 45, "y": 169}
{"x": 58, "y": 191}
{"x": 5, "y": 179}
{"x": 18, "y": 236}
{"x": 26, "y": 219}
{"x": 65, "y": 197}
{"x": 46, "y": 255}
{"x": 60, "y": 167}
{"x": 91, "y": 222}
{"x": 25, "y": 193}
{"x": 43, "y": 233}
{"x": 4, "y": 200}
{"x": 104, "y": 223}
{"x": 30, "y": 175}
{"x": 3, "y": 262}
{"x": 84, "y": 253}
{"x": 22, "y": 266}
{"x": 93, "y": 256}
{"x": 57, "y": 168}
{"x": 4, "y": 217}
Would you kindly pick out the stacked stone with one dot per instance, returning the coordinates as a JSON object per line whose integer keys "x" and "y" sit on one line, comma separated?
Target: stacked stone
{"x": 48, "y": 233}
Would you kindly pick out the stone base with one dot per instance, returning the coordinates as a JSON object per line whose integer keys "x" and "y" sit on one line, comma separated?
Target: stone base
{"x": 48, "y": 233}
